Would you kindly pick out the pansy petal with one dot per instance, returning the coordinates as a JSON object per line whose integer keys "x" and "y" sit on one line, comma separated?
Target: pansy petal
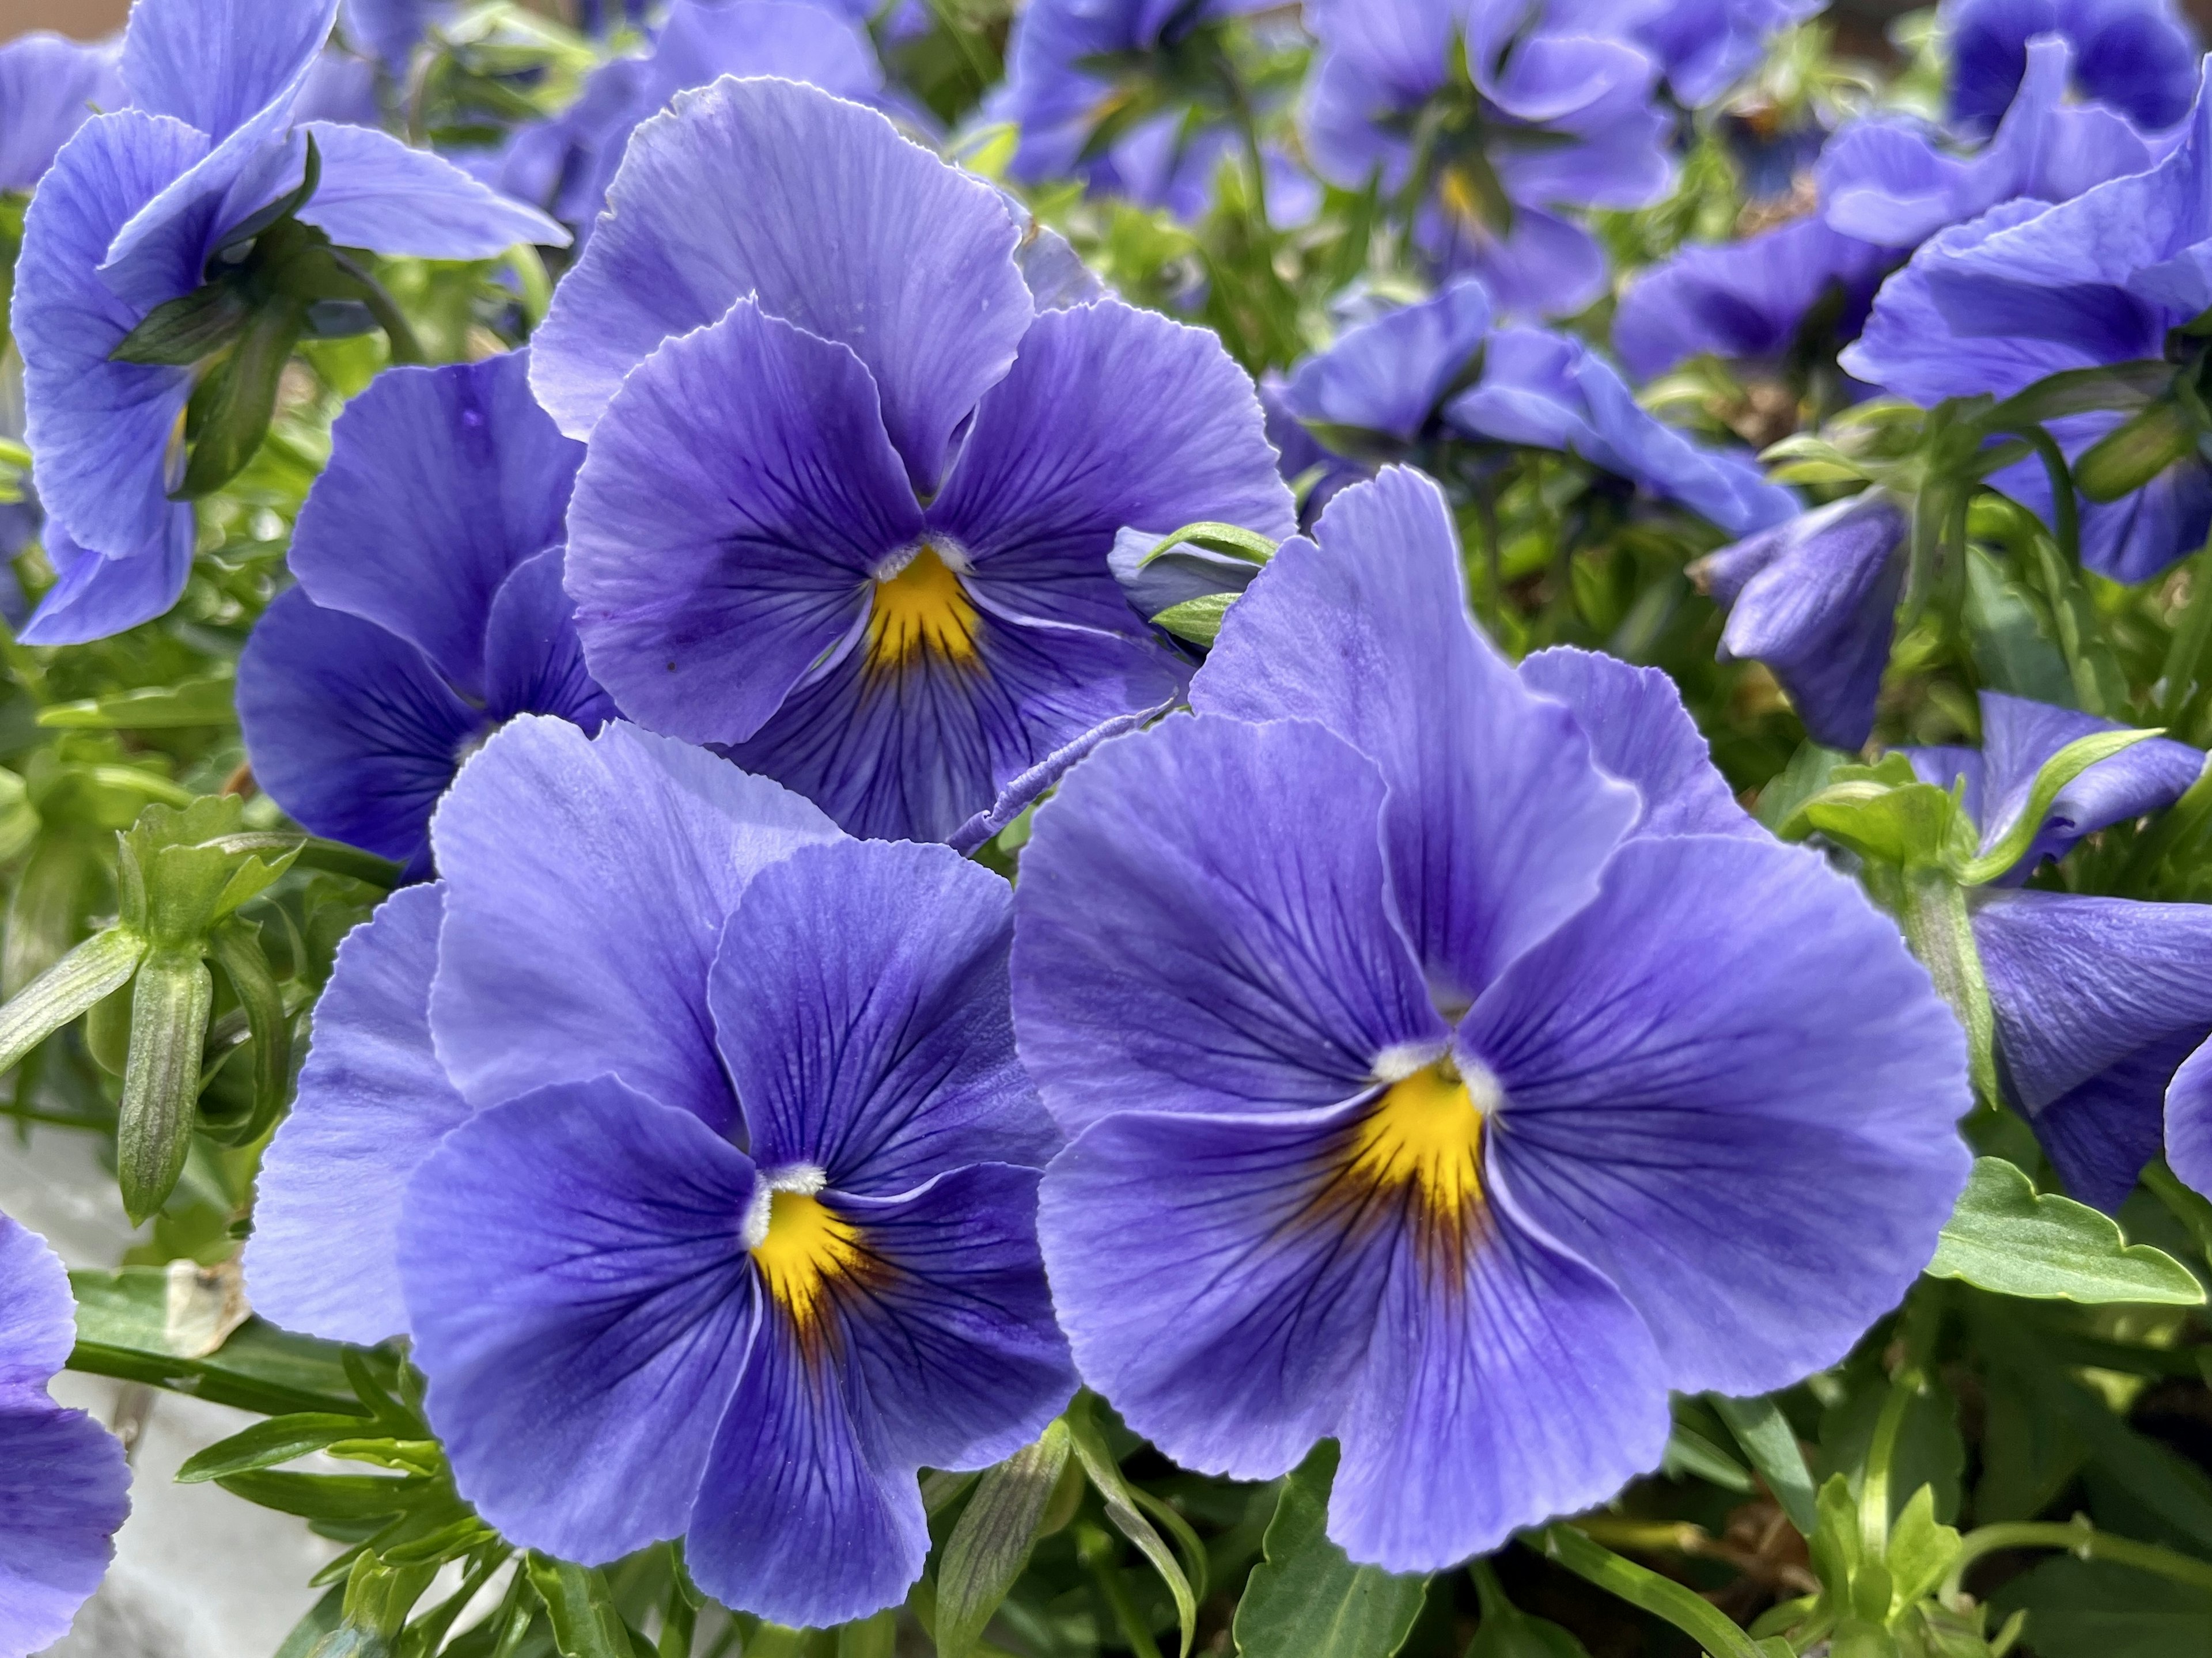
{"x": 213, "y": 63}
{"x": 38, "y": 1319}
{"x": 587, "y": 880}
{"x": 1498, "y": 822}
{"x": 859, "y": 1000}
{"x": 1489, "y": 1401}
{"x": 1388, "y": 375}
{"x": 1176, "y": 950}
{"x": 440, "y": 482}
{"x": 2189, "y": 1120}
{"x": 533, "y": 661}
{"x": 738, "y": 497}
{"x": 372, "y": 1103}
{"x": 377, "y": 193}
{"x": 796, "y": 1519}
{"x": 582, "y": 1302}
{"x": 63, "y": 1493}
{"x": 1052, "y": 469}
{"x": 1207, "y": 1285}
{"x": 50, "y": 86}
{"x": 1757, "y": 1150}
{"x": 96, "y": 597}
{"x": 2100, "y": 1135}
{"x": 951, "y": 1332}
{"x": 1640, "y": 733}
{"x": 800, "y": 184}
{"x": 917, "y": 751}
{"x": 2018, "y": 736}
{"x": 100, "y": 429}
{"x": 350, "y": 730}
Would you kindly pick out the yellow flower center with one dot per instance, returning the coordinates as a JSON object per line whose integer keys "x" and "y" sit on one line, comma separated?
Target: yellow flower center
{"x": 1425, "y": 1133}
{"x": 922, "y": 609}
{"x": 806, "y": 1247}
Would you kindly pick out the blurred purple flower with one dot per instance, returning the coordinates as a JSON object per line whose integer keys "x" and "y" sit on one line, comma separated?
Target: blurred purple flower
{"x": 49, "y": 87}
{"x": 2138, "y": 55}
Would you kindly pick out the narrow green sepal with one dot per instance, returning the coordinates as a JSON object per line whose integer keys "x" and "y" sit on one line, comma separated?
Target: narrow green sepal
{"x": 2062, "y": 768}
{"x": 236, "y": 949}
{"x": 169, "y": 1002}
{"x": 1232, "y": 538}
{"x": 88, "y": 976}
{"x": 991, "y": 1543}
{"x": 1198, "y": 620}
{"x": 232, "y": 407}
{"x": 182, "y": 331}
{"x": 2119, "y": 386}
{"x": 2123, "y": 460}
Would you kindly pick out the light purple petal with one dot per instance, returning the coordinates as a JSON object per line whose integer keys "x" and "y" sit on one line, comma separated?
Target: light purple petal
{"x": 2189, "y": 1121}
{"x": 1757, "y": 1150}
{"x": 215, "y": 63}
{"x": 377, "y": 193}
{"x": 2018, "y": 736}
{"x": 587, "y": 880}
{"x": 372, "y": 1103}
{"x": 860, "y": 1000}
{"x": 49, "y": 87}
{"x": 1497, "y": 823}
{"x": 95, "y": 598}
{"x": 38, "y": 1318}
{"x": 1204, "y": 925}
{"x": 63, "y": 1494}
{"x": 831, "y": 221}
{"x": 1388, "y": 375}
{"x": 582, "y": 1302}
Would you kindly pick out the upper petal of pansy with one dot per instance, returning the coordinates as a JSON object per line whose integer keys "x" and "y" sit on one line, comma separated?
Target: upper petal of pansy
{"x": 1609, "y": 147}
{"x": 1498, "y": 822}
{"x": 738, "y": 498}
{"x": 351, "y": 729}
{"x": 50, "y": 86}
{"x": 2189, "y": 1120}
{"x": 920, "y": 735}
{"x": 95, "y": 596}
{"x": 829, "y": 220}
{"x": 587, "y": 880}
{"x": 533, "y": 661}
{"x": 1400, "y": 45}
{"x": 2098, "y": 1001}
{"x": 101, "y": 430}
{"x": 1110, "y": 416}
{"x": 1722, "y": 1081}
{"x": 1501, "y": 1386}
{"x": 440, "y": 482}
{"x": 859, "y": 1000}
{"x": 1388, "y": 375}
{"x": 372, "y": 1102}
{"x": 1640, "y": 733}
{"x": 215, "y": 64}
{"x": 580, "y": 1300}
{"x": 377, "y": 193}
{"x": 1204, "y": 924}
{"x": 38, "y": 1319}
{"x": 64, "y": 1491}
{"x": 1215, "y": 1279}
{"x": 2018, "y": 736}
{"x": 701, "y": 42}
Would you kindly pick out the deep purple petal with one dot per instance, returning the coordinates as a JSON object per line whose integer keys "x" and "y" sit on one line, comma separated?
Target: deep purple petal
{"x": 63, "y": 1494}
{"x": 95, "y": 596}
{"x": 377, "y": 193}
{"x": 1757, "y": 1150}
{"x": 350, "y": 730}
{"x": 440, "y": 482}
{"x": 1498, "y": 822}
{"x": 101, "y": 430}
{"x": 533, "y": 661}
{"x": 1203, "y": 925}
{"x": 50, "y": 86}
{"x": 1640, "y": 733}
{"x": 372, "y": 1102}
{"x": 1388, "y": 375}
{"x": 831, "y": 221}
{"x": 587, "y": 880}
{"x": 215, "y": 64}
{"x": 582, "y": 1302}
{"x": 1110, "y": 416}
{"x": 860, "y": 1000}
{"x": 739, "y": 497}
{"x": 2189, "y": 1121}
{"x": 2134, "y": 54}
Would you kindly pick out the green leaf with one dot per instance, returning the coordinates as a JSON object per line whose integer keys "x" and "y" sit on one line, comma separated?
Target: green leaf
{"x": 236, "y": 947}
{"x": 323, "y": 1619}
{"x": 2062, "y": 768}
{"x": 1810, "y": 770}
{"x": 2005, "y": 1237}
{"x": 1306, "y": 1600}
{"x": 2123, "y": 460}
{"x": 267, "y": 1444}
{"x": 1506, "y": 1631}
{"x": 1124, "y": 1508}
{"x": 585, "y": 1622}
{"x": 180, "y": 332}
{"x": 992, "y": 1543}
{"x": 1911, "y": 825}
{"x": 1770, "y": 1442}
{"x": 1690, "y": 1453}
{"x": 327, "y": 1497}
{"x": 1198, "y": 620}
{"x": 169, "y": 1002}
{"x": 206, "y": 701}
{"x": 88, "y": 976}
{"x": 2081, "y": 391}
{"x": 1921, "y": 1550}
{"x": 1229, "y": 538}
{"x": 2096, "y": 1609}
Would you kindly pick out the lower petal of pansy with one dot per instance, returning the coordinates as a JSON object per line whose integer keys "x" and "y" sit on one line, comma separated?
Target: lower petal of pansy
{"x": 797, "y": 1520}
{"x": 1728, "y": 1087}
{"x": 1219, "y": 1278}
{"x": 911, "y": 734}
{"x": 580, "y": 1300}
{"x": 950, "y": 1332}
{"x": 1203, "y": 924}
{"x": 97, "y": 597}
{"x": 372, "y": 1102}
{"x": 859, "y": 1001}
{"x": 2101, "y": 1135}
{"x": 63, "y": 1492}
{"x": 349, "y": 728}
{"x": 1519, "y": 1386}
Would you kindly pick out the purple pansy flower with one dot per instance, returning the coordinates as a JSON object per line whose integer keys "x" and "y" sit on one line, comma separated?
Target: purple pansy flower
{"x": 690, "y": 1132}
{"x": 776, "y": 376}
{"x": 1815, "y": 599}
{"x": 137, "y": 207}
{"x": 429, "y": 609}
{"x": 1532, "y": 116}
{"x": 2028, "y": 291}
{"x": 1437, "y": 1089}
{"x": 2137, "y": 56}
{"x": 1704, "y": 46}
{"x": 50, "y": 86}
{"x": 64, "y": 1483}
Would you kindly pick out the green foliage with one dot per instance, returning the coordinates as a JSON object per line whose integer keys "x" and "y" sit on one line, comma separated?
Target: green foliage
{"x": 1308, "y": 1600}
{"x": 2007, "y": 1237}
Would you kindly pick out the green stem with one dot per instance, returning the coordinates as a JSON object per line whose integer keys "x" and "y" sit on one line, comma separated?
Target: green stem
{"x": 1097, "y": 1549}
{"x": 1932, "y": 909}
{"x": 2065, "y": 512}
{"x": 2185, "y": 655}
{"x": 1663, "y": 1597}
{"x": 2190, "y": 1208}
{"x": 2081, "y": 1540}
